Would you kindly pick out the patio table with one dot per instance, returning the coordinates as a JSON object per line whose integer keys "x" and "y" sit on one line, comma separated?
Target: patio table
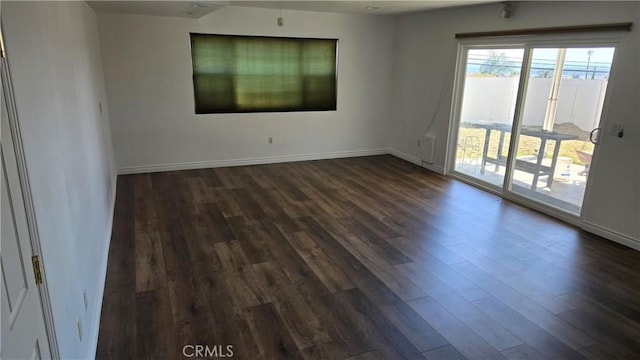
{"x": 538, "y": 169}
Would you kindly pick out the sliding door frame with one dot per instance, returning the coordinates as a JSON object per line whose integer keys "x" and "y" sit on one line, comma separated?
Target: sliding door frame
{"x": 528, "y": 43}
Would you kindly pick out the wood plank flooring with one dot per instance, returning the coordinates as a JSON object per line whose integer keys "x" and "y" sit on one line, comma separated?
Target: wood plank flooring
{"x": 360, "y": 258}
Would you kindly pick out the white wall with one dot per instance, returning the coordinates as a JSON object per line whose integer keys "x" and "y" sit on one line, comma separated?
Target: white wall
{"x": 56, "y": 69}
{"x": 482, "y": 94}
{"x": 148, "y": 73}
{"x": 425, "y": 57}
{"x": 579, "y": 101}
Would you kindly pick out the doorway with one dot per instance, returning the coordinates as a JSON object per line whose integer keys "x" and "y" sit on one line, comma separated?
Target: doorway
{"x": 527, "y": 120}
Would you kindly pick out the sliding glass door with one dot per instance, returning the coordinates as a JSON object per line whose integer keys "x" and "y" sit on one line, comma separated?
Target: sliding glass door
{"x": 527, "y": 120}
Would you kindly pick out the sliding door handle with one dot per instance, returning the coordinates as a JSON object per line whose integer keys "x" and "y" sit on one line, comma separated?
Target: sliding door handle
{"x": 594, "y": 135}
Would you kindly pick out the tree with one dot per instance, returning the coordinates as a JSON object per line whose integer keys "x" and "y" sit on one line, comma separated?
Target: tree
{"x": 496, "y": 65}
{"x": 545, "y": 74}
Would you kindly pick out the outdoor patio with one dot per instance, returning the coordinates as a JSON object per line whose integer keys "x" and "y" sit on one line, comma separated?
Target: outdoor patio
{"x": 565, "y": 192}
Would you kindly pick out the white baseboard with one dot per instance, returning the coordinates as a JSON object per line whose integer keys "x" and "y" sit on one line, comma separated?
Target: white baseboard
{"x": 406, "y": 157}
{"x": 95, "y": 320}
{"x": 412, "y": 159}
{"x": 249, "y": 161}
{"x": 433, "y": 167}
{"x": 612, "y": 235}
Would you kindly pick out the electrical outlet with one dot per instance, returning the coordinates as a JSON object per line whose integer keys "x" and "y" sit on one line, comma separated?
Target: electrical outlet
{"x": 270, "y": 140}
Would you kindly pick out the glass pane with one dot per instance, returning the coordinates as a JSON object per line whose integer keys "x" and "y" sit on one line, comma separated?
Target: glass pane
{"x": 488, "y": 106}
{"x": 563, "y": 103}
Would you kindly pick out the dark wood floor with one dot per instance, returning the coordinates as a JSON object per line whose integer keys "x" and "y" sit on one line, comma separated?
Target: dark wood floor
{"x": 361, "y": 258}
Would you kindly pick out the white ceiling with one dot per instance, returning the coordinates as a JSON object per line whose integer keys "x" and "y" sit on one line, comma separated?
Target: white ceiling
{"x": 197, "y": 9}
{"x": 188, "y": 9}
{"x": 384, "y": 7}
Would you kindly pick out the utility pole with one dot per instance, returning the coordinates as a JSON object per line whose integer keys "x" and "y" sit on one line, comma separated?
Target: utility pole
{"x": 586, "y": 73}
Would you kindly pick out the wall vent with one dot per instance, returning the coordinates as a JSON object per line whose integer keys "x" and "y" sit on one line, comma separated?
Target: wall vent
{"x": 428, "y": 149}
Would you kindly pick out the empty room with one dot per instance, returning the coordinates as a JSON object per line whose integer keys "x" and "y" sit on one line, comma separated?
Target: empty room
{"x": 320, "y": 179}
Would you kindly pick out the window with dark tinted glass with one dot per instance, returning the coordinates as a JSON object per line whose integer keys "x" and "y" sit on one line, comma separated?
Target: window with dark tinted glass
{"x": 263, "y": 74}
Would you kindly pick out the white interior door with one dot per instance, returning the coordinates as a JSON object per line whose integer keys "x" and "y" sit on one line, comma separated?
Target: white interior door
{"x": 23, "y": 329}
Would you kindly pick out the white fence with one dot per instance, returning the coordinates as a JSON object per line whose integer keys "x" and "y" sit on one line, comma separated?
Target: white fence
{"x": 493, "y": 100}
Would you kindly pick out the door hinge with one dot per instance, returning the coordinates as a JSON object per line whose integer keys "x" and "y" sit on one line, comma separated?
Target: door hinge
{"x": 37, "y": 270}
